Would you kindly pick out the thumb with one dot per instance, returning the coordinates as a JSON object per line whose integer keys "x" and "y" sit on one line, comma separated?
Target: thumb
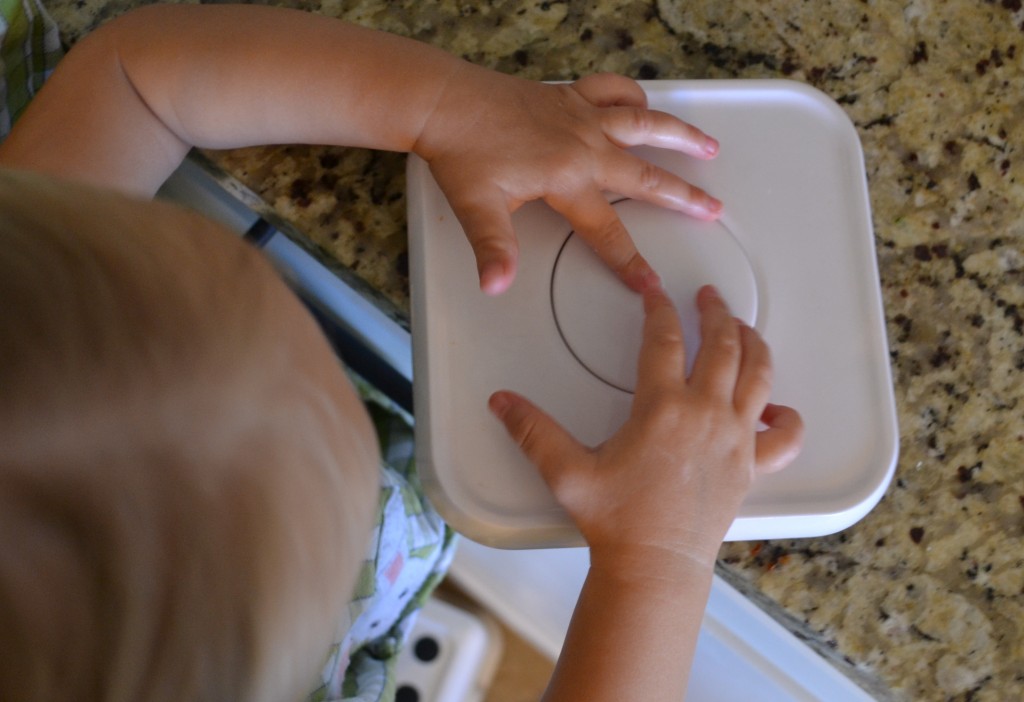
{"x": 779, "y": 444}
{"x": 543, "y": 440}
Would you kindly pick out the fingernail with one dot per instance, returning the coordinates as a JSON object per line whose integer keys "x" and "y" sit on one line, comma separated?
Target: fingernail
{"x": 711, "y": 291}
{"x": 494, "y": 279}
{"x": 650, "y": 279}
{"x": 652, "y": 295}
{"x": 709, "y": 209}
{"x": 711, "y": 146}
{"x": 637, "y": 273}
{"x": 499, "y": 403}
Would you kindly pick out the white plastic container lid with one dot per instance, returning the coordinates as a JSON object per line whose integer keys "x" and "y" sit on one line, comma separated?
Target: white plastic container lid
{"x": 793, "y": 255}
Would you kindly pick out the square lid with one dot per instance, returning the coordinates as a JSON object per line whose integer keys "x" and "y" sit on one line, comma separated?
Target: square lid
{"x": 794, "y": 256}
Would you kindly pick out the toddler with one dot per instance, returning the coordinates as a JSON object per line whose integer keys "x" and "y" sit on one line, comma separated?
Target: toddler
{"x": 189, "y": 485}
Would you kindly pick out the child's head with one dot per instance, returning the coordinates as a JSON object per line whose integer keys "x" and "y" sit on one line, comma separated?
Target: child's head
{"x": 187, "y": 480}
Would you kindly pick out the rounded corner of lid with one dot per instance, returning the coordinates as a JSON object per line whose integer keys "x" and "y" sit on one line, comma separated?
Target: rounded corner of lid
{"x": 497, "y": 536}
{"x": 820, "y": 97}
{"x": 453, "y": 516}
{"x": 861, "y": 503}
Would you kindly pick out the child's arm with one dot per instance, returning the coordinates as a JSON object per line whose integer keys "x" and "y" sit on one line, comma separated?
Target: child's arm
{"x": 655, "y": 501}
{"x": 129, "y": 101}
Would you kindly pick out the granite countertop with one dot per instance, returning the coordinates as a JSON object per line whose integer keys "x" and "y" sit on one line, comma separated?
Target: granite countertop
{"x": 924, "y": 598}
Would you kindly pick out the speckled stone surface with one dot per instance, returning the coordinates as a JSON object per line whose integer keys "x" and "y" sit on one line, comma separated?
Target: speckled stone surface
{"x": 923, "y": 599}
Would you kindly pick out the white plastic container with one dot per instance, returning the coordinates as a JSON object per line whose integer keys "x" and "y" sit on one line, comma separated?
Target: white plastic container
{"x": 793, "y": 254}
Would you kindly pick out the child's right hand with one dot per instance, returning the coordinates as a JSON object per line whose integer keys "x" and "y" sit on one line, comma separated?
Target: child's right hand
{"x": 668, "y": 484}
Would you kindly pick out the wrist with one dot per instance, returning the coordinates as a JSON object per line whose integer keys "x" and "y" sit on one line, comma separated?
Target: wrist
{"x": 471, "y": 102}
{"x": 437, "y": 120}
{"x": 655, "y": 563}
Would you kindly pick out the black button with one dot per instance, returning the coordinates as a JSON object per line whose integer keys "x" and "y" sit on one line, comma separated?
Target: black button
{"x": 426, "y": 649}
{"x": 407, "y": 693}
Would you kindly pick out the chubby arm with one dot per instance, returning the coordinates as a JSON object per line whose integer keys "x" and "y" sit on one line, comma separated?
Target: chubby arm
{"x": 130, "y": 99}
{"x": 655, "y": 501}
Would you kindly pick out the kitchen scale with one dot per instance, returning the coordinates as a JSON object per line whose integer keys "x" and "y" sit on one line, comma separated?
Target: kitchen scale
{"x": 793, "y": 255}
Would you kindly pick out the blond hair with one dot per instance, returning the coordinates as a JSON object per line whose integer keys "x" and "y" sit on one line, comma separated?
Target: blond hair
{"x": 183, "y": 496}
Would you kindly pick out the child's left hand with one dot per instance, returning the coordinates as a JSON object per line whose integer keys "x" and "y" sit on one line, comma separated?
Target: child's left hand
{"x": 494, "y": 142}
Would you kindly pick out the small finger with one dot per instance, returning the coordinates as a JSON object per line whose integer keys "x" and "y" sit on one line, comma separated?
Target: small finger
{"x": 636, "y": 126}
{"x": 779, "y": 444}
{"x": 639, "y": 179}
{"x": 662, "y": 352}
{"x": 541, "y": 438}
{"x": 717, "y": 363}
{"x": 610, "y": 89}
{"x": 597, "y": 223}
{"x": 754, "y": 383}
